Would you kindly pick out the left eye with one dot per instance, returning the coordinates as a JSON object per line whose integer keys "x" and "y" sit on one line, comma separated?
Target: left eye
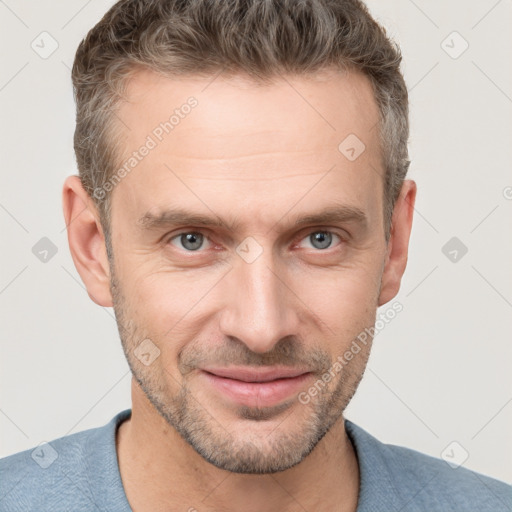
{"x": 190, "y": 241}
{"x": 320, "y": 239}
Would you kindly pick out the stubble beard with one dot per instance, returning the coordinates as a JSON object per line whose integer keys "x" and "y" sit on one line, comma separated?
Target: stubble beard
{"x": 232, "y": 450}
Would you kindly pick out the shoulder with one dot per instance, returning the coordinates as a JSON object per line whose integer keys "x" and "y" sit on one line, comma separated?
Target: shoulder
{"x": 416, "y": 481}
{"x": 68, "y": 473}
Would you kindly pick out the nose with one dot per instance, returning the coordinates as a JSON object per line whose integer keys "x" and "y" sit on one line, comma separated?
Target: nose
{"x": 259, "y": 308}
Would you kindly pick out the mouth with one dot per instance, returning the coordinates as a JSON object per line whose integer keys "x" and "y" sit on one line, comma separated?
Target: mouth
{"x": 261, "y": 387}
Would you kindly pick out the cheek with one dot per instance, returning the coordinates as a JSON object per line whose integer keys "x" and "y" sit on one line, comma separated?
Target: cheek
{"x": 170, "y": 305}
{"x": 341, "y": 295}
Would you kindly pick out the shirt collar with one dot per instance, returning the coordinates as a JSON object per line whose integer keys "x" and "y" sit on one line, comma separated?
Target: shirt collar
{"x": 377, "y": 490}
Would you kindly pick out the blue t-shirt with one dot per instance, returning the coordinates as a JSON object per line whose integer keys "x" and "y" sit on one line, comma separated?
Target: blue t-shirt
{"x": 80, "y": 473}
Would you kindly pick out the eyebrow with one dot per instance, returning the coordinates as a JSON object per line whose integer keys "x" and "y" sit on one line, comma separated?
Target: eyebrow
{"x": 181, "y": 217}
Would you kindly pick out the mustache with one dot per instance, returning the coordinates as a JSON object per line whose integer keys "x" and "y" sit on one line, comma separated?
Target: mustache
{"x": 287, "y": 352}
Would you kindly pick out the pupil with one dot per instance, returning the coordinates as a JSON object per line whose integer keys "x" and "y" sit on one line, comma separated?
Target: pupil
{"x": 191, "y": 241}
{"x": 321, "y": 239}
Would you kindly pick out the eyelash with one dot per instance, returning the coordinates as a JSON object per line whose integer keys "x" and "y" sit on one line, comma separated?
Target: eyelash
{"x": 317, "y": 230}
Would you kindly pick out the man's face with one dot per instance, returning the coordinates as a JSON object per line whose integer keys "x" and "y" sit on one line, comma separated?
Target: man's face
{"x": 223, "y": 306}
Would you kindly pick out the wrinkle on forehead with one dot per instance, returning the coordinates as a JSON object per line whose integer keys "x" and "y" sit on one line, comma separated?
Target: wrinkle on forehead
{"x": 236, "y": 118}
{"x": 280, "y": 139}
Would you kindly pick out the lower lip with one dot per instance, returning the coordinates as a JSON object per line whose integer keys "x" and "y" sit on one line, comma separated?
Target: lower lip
{"x": 257, "y": 394}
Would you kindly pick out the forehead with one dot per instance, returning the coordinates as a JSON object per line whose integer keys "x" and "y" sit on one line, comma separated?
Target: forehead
{"x": 258, "y": 141}
{"x": 301, "y": 109}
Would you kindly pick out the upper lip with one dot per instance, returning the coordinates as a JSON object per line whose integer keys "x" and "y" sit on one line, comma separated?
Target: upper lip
{"x": 262, "y": 374}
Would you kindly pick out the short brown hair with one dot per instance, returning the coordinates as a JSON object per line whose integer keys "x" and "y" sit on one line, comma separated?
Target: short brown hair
{"x": 259, "y": 38}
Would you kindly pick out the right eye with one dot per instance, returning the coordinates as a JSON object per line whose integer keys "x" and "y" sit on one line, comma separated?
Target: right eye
{"x": 189, "y": 241}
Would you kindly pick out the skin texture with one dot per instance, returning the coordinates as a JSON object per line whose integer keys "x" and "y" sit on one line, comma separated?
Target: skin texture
{"x": 260, "y": 157}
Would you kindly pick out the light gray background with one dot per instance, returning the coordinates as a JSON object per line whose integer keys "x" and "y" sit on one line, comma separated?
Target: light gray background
{"x": 439, "y": 372}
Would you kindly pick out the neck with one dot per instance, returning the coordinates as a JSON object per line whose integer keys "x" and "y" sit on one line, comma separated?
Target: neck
{"x": 160, "y": 471}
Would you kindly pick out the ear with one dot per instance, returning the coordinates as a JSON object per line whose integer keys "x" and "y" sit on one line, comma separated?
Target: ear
{"x": 398, "y": 243}
{"x": 86, "y": 241}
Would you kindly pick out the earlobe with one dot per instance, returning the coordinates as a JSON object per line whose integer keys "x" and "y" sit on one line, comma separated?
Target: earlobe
{"x": 398, "y": 244}
{"x": 86, "y": 241}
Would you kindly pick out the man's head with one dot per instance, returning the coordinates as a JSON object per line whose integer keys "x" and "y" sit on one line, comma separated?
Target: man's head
{"x": 258, "y": 223}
